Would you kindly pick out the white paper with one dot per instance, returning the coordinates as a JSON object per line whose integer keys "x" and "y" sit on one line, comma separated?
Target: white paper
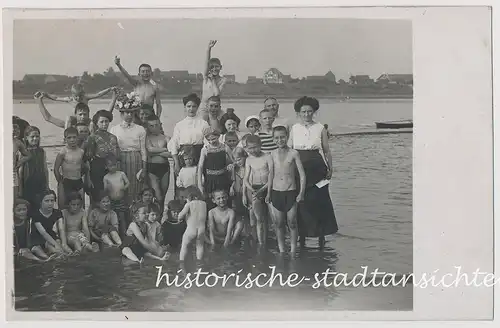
{"x": 322, "y": 183}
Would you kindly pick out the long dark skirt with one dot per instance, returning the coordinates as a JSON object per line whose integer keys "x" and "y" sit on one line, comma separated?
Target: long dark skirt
{"x": 97, "y": 172}
{"x": 316, "y": 216}
{"x": 131, "y": 163}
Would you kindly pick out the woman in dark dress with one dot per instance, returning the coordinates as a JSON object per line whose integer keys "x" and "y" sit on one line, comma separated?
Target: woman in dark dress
{"x": 316, "y": 217}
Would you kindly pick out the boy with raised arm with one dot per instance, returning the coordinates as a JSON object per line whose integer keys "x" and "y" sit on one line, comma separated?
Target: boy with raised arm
{"x": 282, "y": 195}
{"x": 213, "y": 83}
{"x": 78, "y": 95}
{"x": 256, "y": 183}
{"x": 148, "y": 90}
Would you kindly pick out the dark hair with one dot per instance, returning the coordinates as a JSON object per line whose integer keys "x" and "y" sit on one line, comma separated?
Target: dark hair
{"x": 81, "y": 124}
{"x": 145, "y": 65}
{"x": 21, "y": 201}
{"x": 152, "y": 117}
{"x": 70, "y": 130}
{"x": 30, "y": 129}
{"x": 141, "y": 193}
{"x": 253, "y": 139}
{"x": 102, "y": 113}
{"x": 44, "y": 193}
{"x": 226, "y": 117}
{"x": 280, "y": 128}
{"x": 194, "y": 193}
{"x": 191, "y": 97}
{"x": 306, "y": 101}
{"x": 214, "y": 60}
{"x": 73, "y": 196}
{"x": 111, "y": 159}
{"x": 175, "y": 205}
{"x": 82, "y": 106}
{"x": 154, "y": 208}
{"x": 214, "y": 99}
{"x": 101, "y": 195}
{"x": 211, "y": 132}
{"x": 232, "y": 134}
{"x": 230, "y": 109}
{"x": 252, "y": 119}
{"x": 326, "y": 126}
{"x": 189, "y": 151}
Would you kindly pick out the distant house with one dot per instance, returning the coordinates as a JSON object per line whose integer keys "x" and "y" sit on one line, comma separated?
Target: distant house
{"x": 230, "y": 78}
{"x": 360, "y": 80}
{"x": 331, "y": 77}
{"x": 254, "y": 80}
{"x": 272, "y": 75}
{"x": 402, "y": 79}
{"x": 328, "y": 77}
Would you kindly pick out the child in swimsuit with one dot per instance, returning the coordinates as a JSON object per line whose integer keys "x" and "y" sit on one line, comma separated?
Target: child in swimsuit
{"x": 158, "y": 155}
{"x": 136, "y": 244}
{"x": 154, "y": 234}
{"x": 282, "y": 194}
{"x": 18, "y": 147}
{"x": 103, "y": 222}
{"x": 22, "y": 243}
{"x": 195, "y": 213}
{"x": 76, "y": 225}
{"x": 172, "y": 227}
{"x": 68, "y": 167}
{"x": 35, "y": 173}
{"x": 256, "y": 183}
{"x": 224, "y": 228}
{"x": 116, "y": 185}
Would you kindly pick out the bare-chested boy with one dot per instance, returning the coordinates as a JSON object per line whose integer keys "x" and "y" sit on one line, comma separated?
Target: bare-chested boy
{"x": 224, "y": 228}
{"x": 282, "y": 194}
{"x": 147, "y": 89}
{"x": 214, "y": 113}
{"x": 158, "y": 155}
{"x": 116, "y": 185}
{"x": 78, "y": 95}
{"x": 213, "y": 83}
{"x": 256, "y": 183}
{"x": 69, "y": 167}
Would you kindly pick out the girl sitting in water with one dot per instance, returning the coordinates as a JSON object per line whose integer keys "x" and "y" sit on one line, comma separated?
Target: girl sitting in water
{"x": 103, "y": 222}
{"x": 146, "y": 197}
{"x": 154, "y": 229}
{"x": 136, "y": 244}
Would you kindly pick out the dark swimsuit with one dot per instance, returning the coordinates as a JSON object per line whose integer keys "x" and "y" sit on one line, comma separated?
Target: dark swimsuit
{"x": 72, "y": 185}
{"x": 159, "y": 169}
{"x": 133, "y": 243}
{"x": 173, "y": 232}
{"x": 283, "y": 201}
{"x": 21, "y": 236}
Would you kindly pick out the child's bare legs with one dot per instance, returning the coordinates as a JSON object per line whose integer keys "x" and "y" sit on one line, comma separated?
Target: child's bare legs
{"x": 26, "y": 253}
{"x": 155, "y": 184}
{"x": 127, "y": 252}
{"x": 278, "y": 218}
{"x": 291, "y": 217}
{"x": 115, "y": 237}
{"x": 39, "y": 252}
{"x": 237, "y": 231}
{"x": 75, "y": 244}
{"x": 200, "y": 244}
{"x": 106, "y": 239}
{"x": 259, "y": 209}
{"x": 187, "y": 238}
{"x": 164, "y": 184}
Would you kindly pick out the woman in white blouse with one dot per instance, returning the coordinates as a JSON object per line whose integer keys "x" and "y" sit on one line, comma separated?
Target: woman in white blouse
{"x": 188, "y": 132}
{"x": 133, "y": 154}
{"x": 316, "y": 217}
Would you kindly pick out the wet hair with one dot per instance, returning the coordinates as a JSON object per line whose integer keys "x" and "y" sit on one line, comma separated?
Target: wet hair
{"x": 152, "y": 117}
{"x": 102, "y": 113}
{"x": 73, "y": 196}
{"x": 141, "y": 193}
{"x": 214, "y": 60}
{"x": 264, "y": 111}
{"x": 21, "y": 201}
{"x": 306, "y": 101}
{"x": 70, "y": 130}
{"x": 211, "y": 132}
{"x": 194, "y": 193}
{"x": 214, "y": 99}
{"x": 232, "y": 134}
{"x": 82, "y": 107}
{"x": 175, "y": 205}
{"x": 253, "y": 139}
{"x": 145, "y": 65}
{"x": 280, "y": 128}
{"x": 191, "y": 97}
{"x": 44, "y": 193}
{"x": 239, "y": 152}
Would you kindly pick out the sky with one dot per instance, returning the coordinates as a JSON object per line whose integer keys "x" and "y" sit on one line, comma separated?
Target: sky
{"x": 299, "y": 47}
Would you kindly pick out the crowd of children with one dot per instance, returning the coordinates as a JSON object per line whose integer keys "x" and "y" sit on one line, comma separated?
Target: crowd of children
{"x": 228, "y": 186}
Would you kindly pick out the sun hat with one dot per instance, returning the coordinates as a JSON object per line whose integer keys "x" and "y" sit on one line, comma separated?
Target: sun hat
{"x": 128, "y": 102}
{"x": 251, "y": 117}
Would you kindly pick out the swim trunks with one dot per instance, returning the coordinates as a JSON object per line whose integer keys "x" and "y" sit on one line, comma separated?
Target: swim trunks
{"x": 119, "y": 206}
{"x": 72, "y": 185}
{"x": 283, "y": 201}
{"x": 261, "y": 196}
{"x": 159, "y": 169}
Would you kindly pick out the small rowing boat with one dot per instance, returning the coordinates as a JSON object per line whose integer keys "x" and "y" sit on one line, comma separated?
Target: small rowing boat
{"x": 395, "y": 124}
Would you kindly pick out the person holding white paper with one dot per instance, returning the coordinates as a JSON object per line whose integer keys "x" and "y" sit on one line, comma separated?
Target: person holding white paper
{"x": 316, "y": 217}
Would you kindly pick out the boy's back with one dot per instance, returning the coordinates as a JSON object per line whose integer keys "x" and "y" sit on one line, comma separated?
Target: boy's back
{"x": 115, "y": 183}
{"x": 197, "y": 212}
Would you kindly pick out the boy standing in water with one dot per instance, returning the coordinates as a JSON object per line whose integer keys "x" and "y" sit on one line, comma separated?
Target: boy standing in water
{"x": 147, "y": 89}
{"x": 282, "y": 192}
{"x": 256, "y": 183}
{"x": 213, "y": 83}
{"x": 68, "y": 167}
{"x": 116, "y": 185}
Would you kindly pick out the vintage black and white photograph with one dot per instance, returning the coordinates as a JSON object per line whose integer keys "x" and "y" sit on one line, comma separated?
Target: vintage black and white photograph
{"x": 215, "y": 164}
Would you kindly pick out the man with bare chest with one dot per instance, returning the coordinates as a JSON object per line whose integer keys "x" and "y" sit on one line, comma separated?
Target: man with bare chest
{"x": 145, "y": 87}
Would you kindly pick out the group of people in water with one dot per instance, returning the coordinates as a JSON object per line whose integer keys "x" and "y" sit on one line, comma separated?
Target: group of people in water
{"x": 228, "y": 185}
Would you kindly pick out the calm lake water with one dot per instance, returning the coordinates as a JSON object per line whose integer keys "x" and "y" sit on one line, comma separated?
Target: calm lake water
{"x": 371, "y": 190}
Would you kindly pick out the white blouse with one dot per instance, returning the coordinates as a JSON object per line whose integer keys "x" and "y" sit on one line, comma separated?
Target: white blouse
{"x": 306, "y": 138}
{"x": 131, "y": 137}
{"x": 189, "y": 131}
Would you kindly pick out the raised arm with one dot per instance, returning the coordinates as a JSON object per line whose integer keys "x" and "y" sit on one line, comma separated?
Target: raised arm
{"x": 56, "y": 98}
{"x": 211, "y": 44}
{"x": 111, "y": 106}
{"x": 45, "y": 113}
{"x": 328, "y": 154}
{"x": 100, "y": 94}
{"x": 130, "y": 79}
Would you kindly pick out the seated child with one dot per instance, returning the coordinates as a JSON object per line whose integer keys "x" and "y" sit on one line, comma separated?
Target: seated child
{"x": 224, "y": 228}
{"x": 136, "y": 244}
{"x": 195, "y": 213}
{"x": 48, "y": 234}
{"x": 256, "y": 180}
{"x": 76, "y": 225}
{"x": 116, "y": 185}
{"x": 172, "y": 227}
{"x": 103, "y": 222}
{"x": 22, "y": 245}
{"x": 68, "y": 167}
{"x": 154, "y": 234}
{"x": 147, "y": 197}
